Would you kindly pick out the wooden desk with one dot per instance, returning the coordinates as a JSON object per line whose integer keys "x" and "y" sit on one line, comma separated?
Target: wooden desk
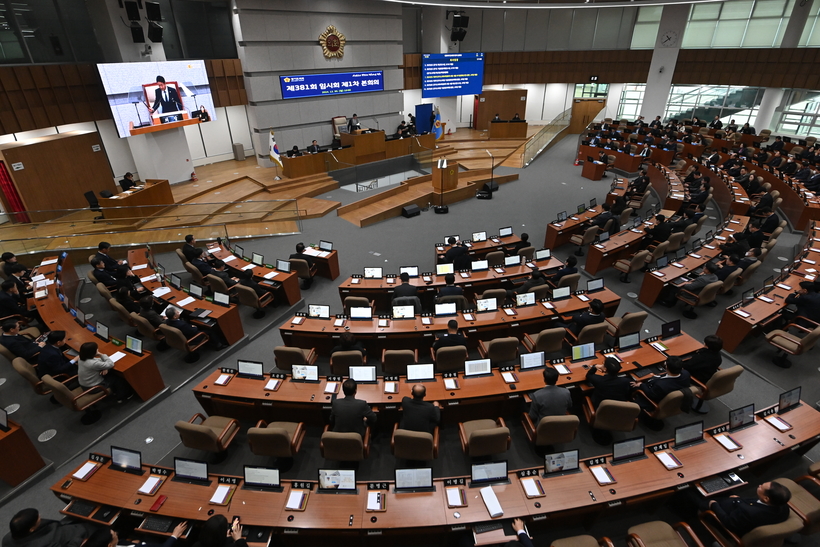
{"x": 593, "y": 170}
{"x": 147, "y": 201}
{"x": 367, "y": 147}
{"x": 508, "y": 130}
{"x": 559, "y": 233}
{"x": 604, "y": 255}
{"x": 799, "y": 210}
{"x": 18, "y": 458}
{"x": 288, "y": 290}
{"x": 479, "y": 249}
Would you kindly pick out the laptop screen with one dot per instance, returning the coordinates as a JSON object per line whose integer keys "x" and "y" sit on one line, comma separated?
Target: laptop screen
{"x": 191, "y": 469}
{"x": 412, "y": 271}
{"x": 486, "y": 304}
{"x": 133, "y": 344}
{"x": 531, "y": 360}
{"x": 283, "y": 265}
{"x": 306, "y": 372}
{"x": 505, "y": 231}
{"x": 562, "y": 216}
{"x": 102, "y": 331}
{"x": 363, "y": 374}
{"x": 80, "y": 315}
{"x": 688, "y": 434}
{"x": 265, "y": 477}
{"x": 250, "y": 368}
{"x": 326, "y": 245}
{"x": 447, "y": 238}
{"x": 373, "y": 273}
{"x": 603, "y": 237}
{"x": 560, "y": 292}
{"x": 337, "y": 479}
{"x": 417, "y": 373}
{"x": 628, "y": 449}
{"x": 480, "y": 265}
{"x": 175, "y": 280}
{"x": 479, "y": 236}
{"x": 514, "y": 260}
{"x": 561, "y": 462}
{"x": 447, "y": 308}
{"x": 239, "y": 251}
{"x": 525, "y": 299}
{"x": 477, "y": 367}
{"x": 125, "y": 459}
{"x": 629, "y": 341}
{"x": 581, "y": 208}
{"x": 670, "y": 329}
{"x": 662, "y": 262}
{"x": 403, "y": 312}
{"x": 222, "y": 298}
{"x": 364, "y": 312}
{"x": 542, "y": 254}
{"x": 488, "y": 472}
{"x": 410, "y": 479}
{"x": 443, "y": 269}
{"x": 257, "y": 259}
{"x": 4, "y": 418}
{"x": 592, "y": 203}
{"x": 788, "y": 400}
{"x": 584, "y": 351}
{"x": 196, "y": 290}
{"x": 595, "y": 284}
{"x": 320, "y": 311}
{"x": 741, "y": 417}
{"x": 747, "y": 297}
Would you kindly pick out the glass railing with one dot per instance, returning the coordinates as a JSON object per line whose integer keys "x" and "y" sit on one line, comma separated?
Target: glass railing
{"x": 422, "y": 156}
{"x": 541, "y": 140}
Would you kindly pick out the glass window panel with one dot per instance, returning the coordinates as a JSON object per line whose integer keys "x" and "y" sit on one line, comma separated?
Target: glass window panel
{"x": 761, "y": 32}
{"x": 644, "y": 35}
{"x": 649, "y": 13}
{"x": 699, "y": 34}
{"x": 807, "y": 31}
{"x": 737, "y": 9}
{"x": 814, "y": 40}
{"x": 729, "y": 33}
{"x": 701, "y": 12}
{"x": 768, "y": 8}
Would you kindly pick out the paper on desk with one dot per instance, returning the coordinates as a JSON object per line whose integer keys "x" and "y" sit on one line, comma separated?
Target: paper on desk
{"x": 270, "y": 275}
{"x": 391, "y": 387}
{"x": 324, "y": 254}
{"x": 330, "y": 387}
{"x": 47, "y": 262}
{"x": 383, "y": 322}
{"x": 778, "y": 423}
{"x": 229, "y": 258}
{"x": 601, "y": 475}
{"x": 249, "y": 267}
{"x": 221, "y": 493}
{"x": 186, "y": 301}
{"x": 784, "y": 286}
{"x": 223, "y": 379}
{"x": 583, "y": 298}
{"x": 491, "y": 501}
{"x": 85, "y": 470}
{"x": 562, "y": 369}
{"x": 39, "y": 277}
{"x": 530, "y": 487}
{"x": 272, "y": 384}
{"x": 508, "y": 377}
{"x": 509, "y": 311}
{"x": 117, "y": 356}
{"x": 667, "y": 460}
{"x": 548, "y": 305}
{"x": 450, "y": 383}
{"x": 148, "y": 486}
{"x": 453, "y": 496}
{"x": 310, "y": 251}
{"x": 295, "y": 499}
{"x": 151, "y": 277}
{"x": 426, "y": 321}
{"x": 158, "y": 292}
{"x": 743, "y": 313}
{"x": 138, "y": 267}
{"x": 374, "y": 501}
{"x": 726, "y": 442}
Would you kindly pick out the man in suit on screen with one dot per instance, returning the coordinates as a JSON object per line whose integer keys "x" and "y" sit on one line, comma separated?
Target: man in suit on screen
{"x": 166, "y": 100}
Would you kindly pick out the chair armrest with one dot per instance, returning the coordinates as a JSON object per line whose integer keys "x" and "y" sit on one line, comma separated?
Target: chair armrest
{"x": 197, "y": 339}
{"x": 605, "y": 542}
{"x": 634, "y": 541}
{"x": 311, "y": 358}
{"x": 528, "y": 342}
{"x": 529, "y": 427}
{"x": 393, "y": 438}
{"x": 699, "y": 384}
{"x": 570, "y": 335}
{"x": 694, "y": 296}
{"x": 265, "y": 299}
{"x": 589, "y": 409}
{"x": 261, "y": 423}
{"x": 482, "y": 349}
{"x": 416, "y": 354}
{"x": 684, "y": 527}
{"x": 384, "y": 350}
{"x": 366, "y": 442}
{"x": 89, "y": 391}
{"x": 298, "y": 437}
{"x": 801, "y": 327}
{"x": 195, "y": 417}
{"x": 717, "y": 530}
{"x": 225, "y": 438}
{"x": 500, "y": 421}
{"x": 650, "y": 401}
{"x": 462, "y": 435}
{"x": 435, "y": 442}
{"x": 433, "y": 354}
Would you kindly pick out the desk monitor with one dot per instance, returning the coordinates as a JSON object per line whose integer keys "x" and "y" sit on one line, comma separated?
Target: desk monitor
{"x": 486, "y": 304}
{"x": 595, "y": 285}
{"x": 325, "y": 245}
{"x": 479, "y": 236}
{"x": 196, "y": 290}
{"x": 561, "y": 293}
{"x": 583, "y": 352}
{"x": 191, "y": 471}
{"x": 603, "y": 237}
{"x": 412, "y": 271}
{"x": 768, "y": 283}
{"x": 688, "y": 435}
{"x": 265, "y": 479}
{"x": 102, "y": 331}
{"x": 789, "y": 400}
{"x": 628, "y": 450}
{"x": 447, "y": 238}
{"x": 561, "y": 463}
{"x": 257, "y": 259}
{"x": 637, "y": 221}
{"x": 747, "y": 297}
{"x": 444, "y": 269}
{"x": 525, "y": 299}
{"x": 337, "y": 480}
{"x": 134, "y": 345}
{"x": 175, "y": 281}
{"x": 444, "y": 309}
{"x": 562, "y": 216}
{"x": 477, "y": 367}
{"x": 680, "y": 254}
{"x": 741, "y": 418}
{"x": 629, "y": 341}
{"x": 160, "y": 272}
{"x": 505, "y": 231}
{"x": 79, "y": 316}
{"x": 222, "y": 298}
{"x": 670, "y": 329}
{"x": 513, "y": 260}
{"x": 239, "y": 251}
{"x": 419, "y": 479}
{"x": 709, "y": 235}
{"x": 543, "y": 254}
{"x": 319, "y": 311}
{"x": 364, "y": 313}
{"x": 480, "y": 265}
{"x": 662, "y": 262}
{"x": 307, "y": 373}
{"x": 283, "y": 265}
{"x": 485, "y": 474}
{"x": 531, "y": 360}
{"x": 363, "y": 374}
{"x": 421, "y": 373}
{"x": 4, "y": 420}
{"x": 250, "y": 369}
{"x": 404, "y": 312}
{"x": 373, "y": 273}
{"x": 126, "y": 460}
{"x": 592, "y": 203}
{"x": 696, "y": 244}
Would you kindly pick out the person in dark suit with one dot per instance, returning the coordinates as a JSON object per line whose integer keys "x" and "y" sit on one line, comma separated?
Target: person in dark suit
{"x": 102, "y": 275}
{"x": 348, "y": 342}
{"x": 349, "y": 414}
{"x": 113, "y": 266}
{"x": 658, "y": 387}
{"x": 172, "y": 320}
{"x": 294, "y": 152}
{"x": 803, "y": 174}
{"x": 218, "y": 532}
{"x": 28, "y": 529}
{"x": 9, "y": 260}
{"x": 568, "y": 269}
{"x": 127, "y": 182}
{"x": 19, "y": 345}
{"x": 456, "y": 250}
{"x": 601, "y": 220}
{"x": 190, "y": 249}
{"x": 550, "y": 400}
{"x": 742, "y": 515}
{"x": 167, "y": 100}
{"x": 660, "y": 231}
{"x": 148, "y": 312}
{"x": 788, "y": 168}
{"x": 716, "y": 123}
{"x": 313, "y": 148}
{"x": 522, "y": 538}
{"x": 219, "y": 271}
{"x": 51, "y": 360}
{"x": 451, "y": 338}
{"x": 778, "y": 144}
{"x": 123, "y": 297}
{"x": 592, "y": 316}
{"x": 13, "y": 303}
{"x": 536, "y": 280}
{"x": 747, "y": 129}
{"x": 107, "y": 537}
{"x": 246, "y": 280}
{"x": 200, "y": 264}
{"x": 807, "y": 301}
{"x": 813, "y": 182}
{"x": 353, "y": 124}
{"x": 610, "y": 385}
{"x": 729, "y": 266}
{"x": 638, "y": 186}
{"x": 202, "y": 114}
{"x": 714, "y": 158}
{"x": 418, "y": 414}
{"x": 771, "y": 220}
{"x": 751, "y": 256}
{"x": 703, "y": 363}
{"x": 449, "y": 288}
{"x": 24, "y": 287}
{"x": 405, "y": 289}
{"x": 764, "y": 201}
{"x": 776, "y": 161}
{"x": 523, "y": 244}
{"x": 300, "y": 255}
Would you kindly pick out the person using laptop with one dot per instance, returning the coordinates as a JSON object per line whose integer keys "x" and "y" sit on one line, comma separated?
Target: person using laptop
{"x": 405, "y": 289}
{"x": 51, "y": 360}
{"x": 94, "y": 369}
{"x": 550, "y": 400}
{"x": 568, "y": 269}
{"x": 300, "y": 255}
{"x": 418, "y": 414}
{"x": 349, "y": 414}
{"x": 449, "y": 288}
{"x": 451, "y": 338}
{"x": 703, "y": 363}
{"x": 610, "y": 385}
{"x": 592, "y": 316}
{"x": 658, "y": 387}
{"x": 348, "y": 342}
{"x": 742, "y": 515}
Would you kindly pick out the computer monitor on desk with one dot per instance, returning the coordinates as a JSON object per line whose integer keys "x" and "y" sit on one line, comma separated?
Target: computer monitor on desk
{"x": 333, "y": 481}
{"x": 513, "y": 260}
{"x": 404, "y": 312}
{"x": 670, "y": 329}
{"x": 444, "y": 269}
{"x": 222, "y": 298}
{"x": 102, "y": 331}
{"x": 362, "y": 313}
{"x": 628, "y": 450}
{"x": 421, "y": 373}
{"x": 528, "y": 361}
{"x": 543, "y": 254}
{"x": 283, "y": 265}
{"x": 486, "y": 474}
{"x": 477, "y": 367}
{"x": 253, "y": 370}
{"x": 583, "y": 352}
{"x": 629, "y": 341}
{"x": 191, "y": 471}
{"x": 741, "y": 418}
{"x": 419, "y": 479}
{"x": 318, "y": 311}
{"x": 129, "y": 461}
{"x": 445, "y": 309}
{"x": 561, "y": 463}
{"x": 263, "y": 479}
{"x": 688, "y": 435}
{"x": 134, "y": 345}
{"x": 257, "y": 259}
{"x": 505, "y": 231}
{"x": 412, "y": 271}
{"x": 363, "y": 374}
{"x": 561, "y": 293}
{"x": 196, "y": 290}
{"x": 480, "y": 265}
{"x": 789, "y": 400}
{"x": 325, "y": 245}
{"x": 373, "y": 273}
{"x": 525, "y": 299}
{"x": 486, "y": 305}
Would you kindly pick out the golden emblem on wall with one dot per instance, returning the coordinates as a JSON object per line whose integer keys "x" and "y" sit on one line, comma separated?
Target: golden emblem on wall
{"x": 333, "y": 42}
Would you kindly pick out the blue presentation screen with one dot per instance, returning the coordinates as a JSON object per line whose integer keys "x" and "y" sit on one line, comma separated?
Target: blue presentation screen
{"x": 447, "y": 75}
{"x": 325, "y": 85}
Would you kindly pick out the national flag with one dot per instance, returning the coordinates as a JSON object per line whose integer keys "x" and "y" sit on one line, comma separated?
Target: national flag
{"x": 437, "y": 129}
{"x": 274, "y": 150}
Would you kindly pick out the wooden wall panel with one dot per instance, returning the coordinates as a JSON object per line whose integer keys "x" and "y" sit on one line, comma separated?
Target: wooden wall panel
{"x": 227, "y": 82}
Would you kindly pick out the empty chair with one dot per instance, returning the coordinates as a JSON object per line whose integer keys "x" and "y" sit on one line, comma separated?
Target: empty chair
{"x": 125, "y": 317}
{"x": 787, "y": 343}
{"x": 77, "y": 399}
{"x": 285, "y": 357}
{"x": 276, "y": 439}
{"x": 356, "y": 302}
{"x": 721, "y": 383}
{"x": 175, "y": 339}
{"x": 589, "y": 334}
{"x": 626, "y": 324}
{"x": 500, "y": 295}
{"x": 460, "y": 301}
{"x": 628, "y": 265}
{"x": 248, "y": 297}
{"x": 303, "y": 271}
{"x": 584, "y": 239}
{"x": 449, "y": 359}
{"x": 213, "y": 434}
{"x": 661, "y": 534}
{"x": 147, "y": 330}
{"x": 771, "y": 535}
{"x": 610, "y": 416}
{"x": 570, "y": 281}
{"x": 93, "y": 204}
{"x": 527, "y": 252}
{"x": 541, "y": 291}
{"x": 414, "y": 301}
{"x": 344, "y": 447}
{"x": 747, "y": 274}
{"x": 550, "y": 430}
{"x": 675, "y": 241}
{"x": 637, "y": 204}
{"x": 102, "y": 289}
{"x": 705, "y": 296}
{"x": 484, "y": 437}
{"x": 625, "y": 214}
{"x": 499, "y": 350}
{"x": 671, "y": 405}
{"x": 414, "y": 445}
{"x": 548, "y": 340}
{"x": 658, "y": 251}
{"x": 341, "y": 361}
{"x": 495, "y": 258}
{"x": 395, "y": 361}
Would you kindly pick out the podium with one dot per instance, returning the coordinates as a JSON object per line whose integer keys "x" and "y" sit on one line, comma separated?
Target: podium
{"x": 446, "y": 177}
{"x": 593, "y": 170}
{"x": 18, "y": 458}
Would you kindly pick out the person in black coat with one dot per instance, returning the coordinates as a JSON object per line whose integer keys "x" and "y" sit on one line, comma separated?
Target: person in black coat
{"x": 246, "y": 280}
{"x": 568, "y": 269}
{"x": 742, "y": 515}
{"x": 200, "y": 264}
{"x": 148, "y": 312}
{"x": 638, "y": 187}
{"x": 449, "y": 288}
{"x": 455, "y": 251}
{"x": 658, "y": 387}
{"x": 27, "y": 529}
{"x": 703, "y": 363}
{"x": 216, "y": 532}
{"x": 729, "y": 266}
{"x": 9, "y": 260}
{"x": 610, "y": 385}
{"x": 771, "y": 220}
{"x": 166, "y": 101}
{"x": 451, "y": 338}
{"x": 405, "y": 289}
{"x": 127, "y": 182}
{"x": 113, "y": 266}
{"x": 107, "y": 537}
{"x": 188, "y": 330}
{"x": 592, "y": 316}
{"x": 18, "y": 272}
{"x": 660, "y": 231}
{"x": 13, "y": 303}
{"x": 123, "y": 297}
{"x": 189, "y": 249}
{"x": 524, "y": 243}
{"x": 219, "y": 271}
{"x": 601, "y": 220}
{"x": 536, "y": 280}
{"x": 19, "y": 345}
{"x": 807, "y": 301}
{"x": 349, "y": 414}
{"x": 51, "y": 360}
{"x": 418, "y": 414}
{"x": 348, "y": 342}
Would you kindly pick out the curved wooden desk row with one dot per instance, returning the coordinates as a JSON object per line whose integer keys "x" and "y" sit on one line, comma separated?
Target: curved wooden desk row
{"x": 487, "y": 396}
{"x": 559, "y": 233}
{"x": 323, "y": 334}
{"x": 479, "y": 249}
{"x": 799, "y": 211}
{"x": 227, "y": 317}
{"x": 140, "y": 372}
{"x": 735, "y": 326}
{"x": 381, "y": 290}
{"x": 427, "y": 511}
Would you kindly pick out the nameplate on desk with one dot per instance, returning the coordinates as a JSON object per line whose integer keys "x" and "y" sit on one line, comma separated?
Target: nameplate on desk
{"x": 378, "y": 486}
{"x": 659, "y": 447}
{"x": 601, "y": 460}
{"x": 226, "y": 370}
{"x": 720, "y": 429}
{"x": 335, "y": 378}
{"x": 99, "y": 458}
{"x": 302, "y": 485}
{"x": 162, "y": 471}
{"x": 524, "y": 473}
{"x": 455, "y": 482}
{"x": 224, "y": 479}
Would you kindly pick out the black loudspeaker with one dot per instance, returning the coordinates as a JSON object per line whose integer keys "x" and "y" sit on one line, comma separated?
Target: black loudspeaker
{"x": 137, "y": 34}
{"x": 441, "y": 209}
{"x": 410, "y": 211}
{"x": 152, "y": 11}
{"x": 458, "y": 34}
{"x": 491, "y": 186}
{"x": 154, "y": 32}
{"x": 461, "y": 21}
{"x": 132, "y": 11}
{"x": 484, "y": 194}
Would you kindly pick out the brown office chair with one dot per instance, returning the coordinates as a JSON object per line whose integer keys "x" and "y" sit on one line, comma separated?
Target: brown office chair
{"x": 414, "y": 445}
{"x": 541, "y": 291}
{"x": 803, "y": 503}
{"x": 589, "y": 334}
{"x": 449, "y": 359}
{"x": 527, "y": 253}
{"x": 460, "y": 300}
{"x": 345, "y": 447}
{"x": 495, "y": 258}
{"x": 175, "y": 339}
{"x": 414, "y": 301}
{"x": 704, "y": 297}
{"x": 147, "y": 330}
{"x": 276, "y": 439}
{"x": 29, "y": 374}
{"x": 123, "y": 314}
{"x": 628, "y": 265}
{"x": 570, "y": 281}
{"x": 787, "y": 343}
{"x": 356, "y": 302}
{"x": 484, "y": 437}
{"x": 499, "y": 350}
{"x": 730, "y": 282}
{"x": 248, "y": 297}
{"x": 586, "y": 238}
{"x": 637, "y": 204}
{"x": 661, "y": 534}
{"x": 213, "y": 434}
{"x": 285, "y": 357}
{"x": 675, "y": 241}
{"x": 218, "y": 284}
{"x": 673, "y": 404}
{"x": 625, "y": 214}
{"x": 5, "y": 352}
{"x": 551, "y": 429}
{"x": 747, "y": 274}
{"x": 182, "y": 258}
{"x": 77, "y": 399}
{"x": 102, "y": 289}
{"x": 303, "y": 271}
{"x": 721, "y": 383}
{"x": 628, "y": 323}
{"x": 772, "y": 535}
{"x": 196, "y": 275}
{"x": 548, "y": 341}
{"x": 582, "y": 541}
{"x": 395, "y": 361}
{"x": 500, "y": 296}
{"x": 610, "y": 416}
{"x": 341, "y": 361}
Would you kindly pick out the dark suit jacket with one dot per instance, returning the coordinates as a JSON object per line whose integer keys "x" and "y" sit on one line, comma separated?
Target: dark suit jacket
{"x": 51, "y": 533}
{"x": 448, "y": 340}
{"x": 224, "y": 276}
{"x": 152, "y": 317}
{"x": 658, "y": 388}
{"x": 109, "y": 263}
{"x": 454, "y": 252}
{"x": 419, "y": 415}
{"x": 569, "y": 270}
{"x": 52, "y": 361}
{"x": 611, "y": 387}
{"x": 188, "y": 330}
{"x": 549, "y": 401}
{"x": 808, "y": 305}
{"x": 449, "y": 290}
{"x": 742, "y": 515}
{"x": 584, "y": 319}
{"x": 9, "y": 305}
{"x": 125, "y": 184}
{"x": 171, "y": 105}
{"x": 313, "y": 149}
{"x": 724, "y": 272}
{"x": 716, "y": 124}
{"x": 347, "y": 415}
{"x": 530, "y": 284}
{"x": 405, "y": 289}
{"x": 524, "y": 539}
{"x": 188, "y": 250}
{"x": 352, "y": 125}
{"x": 703, "y": 364}
{"x": 769, "y": 225}
{"x": 203, "y": 267}
{"x": 302, "y": 256}
{"x": 105, "y": 277}
{"x": 661, "y": 232}
{"x": 20, "y": 346}
{"x": 253, "y": 285}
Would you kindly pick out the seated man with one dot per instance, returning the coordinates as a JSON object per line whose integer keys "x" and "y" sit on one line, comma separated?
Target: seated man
{"x": 751, "y": 256}
{"x": 113, "y": 266}
{"x": 605, "y": 216}
{"x": 18, "y": 275}
{"x": 189, "y": 249}
{"x": 348, "y": 342}
{"x": 742, "y": 515}
{"x": 246, "y": 280}
{"x": 9, "y": 260}
{"x": 147, "y": 311}
{"x": 189, "y": 331}
{"x": 728, "y": 266}
{"x": 609, "y": 386}
{"x": 51, "y": 360}
{"x": 127, "y": 182}
{"x": 405, "y": 288}
{"x": 550, "y": 400}
{"x": 591, "y": 316}
{"x": 709, "y": 275}
{"x": 568, "y": 269}
{"x": 658, "y": 387}
{"x": 703, "y": 363}
{"x": 455, "y": 251}
{"x": 524, "y": 243}
{"x": 349, "y": 414}
{"x": 300, "y": 255}
{"x": 219, "y": 271}
{"x": 451, "y": 338}
{"x": 200, "y": 264}
{"x": 418, "y": 414}
{"x": 660, "y": 231}
{"x": 638, "y": 186}
{"x": 807, "y": 301}
{"x": 111, "y": 281}
{"x": 28, "y": 529}
{"x": 14, "y": 303}
{"x": 536, "y": 280}
{"x": 770, "y": 220}
{"x": 18, "y": 344}
{"x": 449, "y": 288}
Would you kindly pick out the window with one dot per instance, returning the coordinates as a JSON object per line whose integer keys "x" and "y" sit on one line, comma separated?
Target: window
{"x": 706, "y": 102}
{"x": 591, "y": 91}
{"x": 631, "y": 101}
{"x": 646, "y": 27}
{"x": 801, "y": 113}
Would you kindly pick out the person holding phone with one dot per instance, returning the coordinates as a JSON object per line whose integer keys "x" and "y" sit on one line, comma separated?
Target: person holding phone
{"x": 216, "y": 532}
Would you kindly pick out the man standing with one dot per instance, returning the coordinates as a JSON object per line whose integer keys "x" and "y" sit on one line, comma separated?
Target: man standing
{"x": 418, "y": 414}
{"x": 167, "y": 100}
{"x": 550, "y": 400}
{"x": 349, "y": 414}
{"x": 353, "y": 124}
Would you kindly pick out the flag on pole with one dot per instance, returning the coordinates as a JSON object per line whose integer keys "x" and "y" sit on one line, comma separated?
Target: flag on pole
{"x": 437, "y": 129}
{"x": 274, "y": 150}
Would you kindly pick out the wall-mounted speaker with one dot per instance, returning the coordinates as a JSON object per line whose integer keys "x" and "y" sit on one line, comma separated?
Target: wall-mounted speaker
{"x": 154, "y": 32}
{"x": 458, "y": 34}
{"x": 137, "y": 34}
{"x": 152, "y": 11}
{"x": 132, "y": 11}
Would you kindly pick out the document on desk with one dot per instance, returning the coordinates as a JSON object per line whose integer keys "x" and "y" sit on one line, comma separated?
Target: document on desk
{"x": 37, "y": 278}
{"x": 223, "y": 379}
{"x": 229, "y": 258}
{"x": 138, "y": 267}
{"x": 296, "y": 500}
{"x": 150, "y": 486}
{"x": 86, "y": 470}
{"x": 779, "y": 423}
{"x": 161, "y": 291}
{"x": 249, "y": 267}
{"x": 455, "y": 497}
{"x": 222, "y": 495}
{"x": 602, "y": 475}
{"x": 376, "y": 501}
{"x": 491, "y": 502}
{"x": 391, "y": 387}
{"x": 532, "y": 488}
{"x": 270, "y": 275}
{"x": 147, "y": 278}
{"x": 117, "y": 356}
{"x": 273, "y": 384}
{"x": 668, "y": 460}
{"x": 47, "y": 262}
{"x": 186, "y": 301}
{"x": 450, "y": 383}
{"x": 728, "y": 443}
